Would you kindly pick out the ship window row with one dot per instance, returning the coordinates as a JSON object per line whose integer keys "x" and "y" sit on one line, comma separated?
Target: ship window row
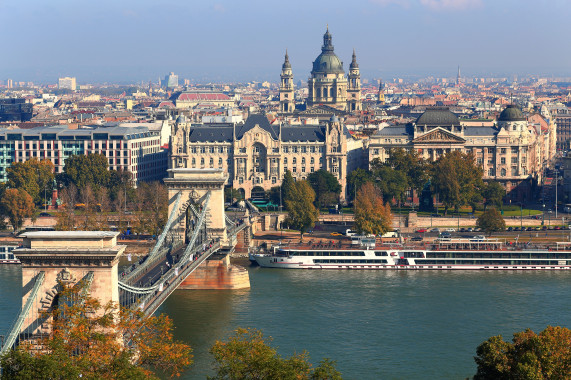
{"x": 494, "y": 262}
{"x": 382, "y": 253}
{"x": 414, "y": 254}
{"x": 318, "y": 253}
{"x": 349, "y": 261}
{"x": 499, "y": 255}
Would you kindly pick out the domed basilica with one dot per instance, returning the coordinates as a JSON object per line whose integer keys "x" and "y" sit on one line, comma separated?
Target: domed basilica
{"x": 328, "y": 86}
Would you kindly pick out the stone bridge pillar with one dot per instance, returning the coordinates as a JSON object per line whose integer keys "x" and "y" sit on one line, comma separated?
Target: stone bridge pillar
{"x": 195, "y": 183}
{"x": 67, "y": 256}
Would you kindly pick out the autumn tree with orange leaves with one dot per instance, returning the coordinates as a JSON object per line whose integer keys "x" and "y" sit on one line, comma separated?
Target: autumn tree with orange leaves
{"x": 371, "y": 215}
{"x": 94, "y": 341}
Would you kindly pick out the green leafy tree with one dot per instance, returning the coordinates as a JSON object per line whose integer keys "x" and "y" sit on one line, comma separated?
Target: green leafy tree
{"x": 302, "y": 214}
{"x": 248, "y": 355}
{"x": 411, "y": 164}
{"x": 34, "y": 176}
{"x": 542, "y": 356}
{"x": 392, "y": 183}
{"x": 326, "y": 187}
{"x": 288, "y": 185}
{"x": 18, "y": 205}
{"x": 458, "y": 180}
{"x": 121, "y": 189}
{"x": 87, "y": 340}
{"x": 491, "y": 221}
{"x": 232, "y": 195}
{"x": 494, "y": 193}
{"x": 371, "y": 215}
{"x": 356, "y": 179}
{"x": 87, "y": 169}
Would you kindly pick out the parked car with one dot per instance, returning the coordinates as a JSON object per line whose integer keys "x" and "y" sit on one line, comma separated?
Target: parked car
{"x": 529, "y": 229}
{"x": 470, "y": 229}
{"x": 45, "y": 214}
{"x": 416, "y": 238}
{"x": 518, "y": 229}
{"x": 335, "y": 234}
{"x": 462, "y": 229}
{"x": 446, "y": 235}
{"x": 544, "y": 228}
{"x": 421, "y": 230}
{"x": 450, "y": 230}
{"x": 436, "y": 229}
{"x": 509, "y": 229}
{"x": 479, "y": 238}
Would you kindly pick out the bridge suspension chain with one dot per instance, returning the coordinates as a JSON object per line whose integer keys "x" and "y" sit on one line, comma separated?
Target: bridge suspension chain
{"x": 150, "y": 257}
{"x": 17, "y": 327}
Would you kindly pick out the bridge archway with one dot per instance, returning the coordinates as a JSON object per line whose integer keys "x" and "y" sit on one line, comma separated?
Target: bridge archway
{"x": 194, "y": 184}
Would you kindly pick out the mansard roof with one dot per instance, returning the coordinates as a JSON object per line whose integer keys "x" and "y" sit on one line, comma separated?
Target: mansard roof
{"x": 480, "y": 131}
{"x": 303, "y": 133}
{"x": 259, "y": 120}
{"x": 212, "y": 134}
{"x": 397, "y": 130}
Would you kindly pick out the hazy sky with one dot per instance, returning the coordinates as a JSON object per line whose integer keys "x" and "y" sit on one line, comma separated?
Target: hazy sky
{"x": 243, "y": 40}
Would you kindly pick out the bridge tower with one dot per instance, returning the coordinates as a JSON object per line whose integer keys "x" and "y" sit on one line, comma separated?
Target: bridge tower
{"x": 69, "y": 256}
{"x": 195, "y": 184}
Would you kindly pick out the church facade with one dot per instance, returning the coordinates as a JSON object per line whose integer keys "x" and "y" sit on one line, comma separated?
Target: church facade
{"x": 510, "y": 151}
{"x": 328, "y": 84}
{"x": 256, "y": 153}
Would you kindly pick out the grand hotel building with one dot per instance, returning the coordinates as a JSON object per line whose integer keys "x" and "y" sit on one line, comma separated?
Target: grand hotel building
{"x": 511, "y": 151}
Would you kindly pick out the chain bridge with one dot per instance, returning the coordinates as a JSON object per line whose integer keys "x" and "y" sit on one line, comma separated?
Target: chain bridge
{"x": 197, "y": 228}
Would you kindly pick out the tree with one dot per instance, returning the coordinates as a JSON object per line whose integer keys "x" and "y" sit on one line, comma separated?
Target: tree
{"x": 248, "y": 355}
{"x": 458, "y": 180}
{"x": 66, "y": 218}
{"x": 232, "y": 195}
{"x": 288, "y": 185}
{"x": 34, "y": 176}
{"x": 494, "y": 193}
{"x": 17, "y": 205}
{"x": 326, "y": 187}
{"x": 392, "y": 183}
{"x": 302, "y": 214}
{"x": 87, "y": 169}
{"x": 546, "y": 355}
{"x": 94, "y": 341}
{"x": 491, "y": 221}
{"x": 356, "y": 179}
{"x": 371, "y": 216}
{"x": 411, "y": 164}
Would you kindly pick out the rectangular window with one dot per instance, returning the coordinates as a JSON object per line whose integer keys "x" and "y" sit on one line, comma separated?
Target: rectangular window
{"x": 502, "y": 160}
{"x": 503, "y": 151}
{"x": 303, "y": 149}
{"x": 285, "y": 149}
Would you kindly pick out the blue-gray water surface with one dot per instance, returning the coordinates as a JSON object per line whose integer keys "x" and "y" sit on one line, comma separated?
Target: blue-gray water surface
{"x": 375, "y": 324}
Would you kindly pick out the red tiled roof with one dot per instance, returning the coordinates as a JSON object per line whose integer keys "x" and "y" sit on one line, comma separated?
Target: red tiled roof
{"x": 197, "y": 96}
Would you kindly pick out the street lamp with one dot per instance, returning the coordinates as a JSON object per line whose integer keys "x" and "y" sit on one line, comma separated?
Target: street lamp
{"x": 521, "y": 215}
{"x": 543, "y": 216}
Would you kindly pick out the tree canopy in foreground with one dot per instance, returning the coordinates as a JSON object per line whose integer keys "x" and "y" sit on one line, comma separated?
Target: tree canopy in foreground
{"x": 546, "y": 355}
{"x": 371, "y": 216}
{"x": 95, "y": 341}
{"x": 248, "y": 355}
{"x": 491, "y": 221}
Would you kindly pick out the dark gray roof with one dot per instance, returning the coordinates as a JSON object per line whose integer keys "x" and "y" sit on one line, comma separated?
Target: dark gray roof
{"x": 303, "y": 133}
{"x": 399, "y": 130}
{"x": 261, "y": 121}
{"x": 438, "y": 117}
{"x": 480, "y": 131}
{"x": 511, "y": 113}
{"x": 213, "y": 134}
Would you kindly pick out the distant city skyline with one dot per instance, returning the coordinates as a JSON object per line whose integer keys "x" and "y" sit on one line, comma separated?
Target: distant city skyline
{"x": 133, "y": 41}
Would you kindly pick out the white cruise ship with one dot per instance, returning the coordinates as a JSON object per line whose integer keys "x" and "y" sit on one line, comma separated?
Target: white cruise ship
{"x": 443, "y": 254}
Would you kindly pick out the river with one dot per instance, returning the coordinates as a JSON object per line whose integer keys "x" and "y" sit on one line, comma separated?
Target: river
{"x": 375, "y": 324}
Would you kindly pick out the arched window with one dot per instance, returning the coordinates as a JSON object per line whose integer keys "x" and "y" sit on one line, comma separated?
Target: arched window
{"x": 294, "y": 160}
{"x": 285, "y": 160}
{"x": 303, "y": 160}
{"x": 202, "y": 161}
{"x": 312, "y": 160}
{"x": 503, "y": 172}
{"x": 193, "y": 161}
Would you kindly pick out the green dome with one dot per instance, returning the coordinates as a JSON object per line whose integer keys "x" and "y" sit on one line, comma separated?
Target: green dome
{"x": 327, "y": 62}
{"x": 438, "y": 116}
{"x": 511, "y": 113}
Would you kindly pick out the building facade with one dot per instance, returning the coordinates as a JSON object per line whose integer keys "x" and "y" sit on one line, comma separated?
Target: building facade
{"x": 68, "y": 83}
{"x": 132, "y": 149}
{"x": 328, "y": 84}
{"x": 510, "y": 152}
{"x": 256, "y": 154}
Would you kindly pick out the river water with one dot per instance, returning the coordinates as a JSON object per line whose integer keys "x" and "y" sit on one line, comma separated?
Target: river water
{"x": 375, "y": 324}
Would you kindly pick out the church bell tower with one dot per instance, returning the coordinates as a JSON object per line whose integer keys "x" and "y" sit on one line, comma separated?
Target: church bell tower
{"x": 287, "y": 101}
{"x": 354, "y": 86}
